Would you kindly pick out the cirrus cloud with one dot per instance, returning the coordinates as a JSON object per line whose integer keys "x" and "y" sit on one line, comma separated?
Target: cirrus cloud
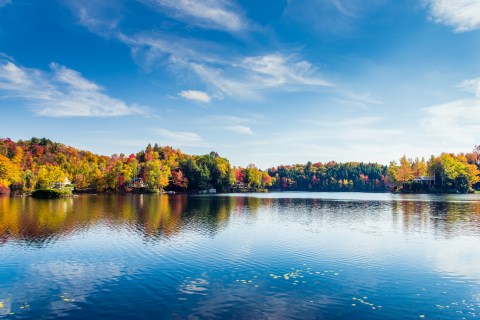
{"x": 179, "y": 138}
{"x": 209, "y": 14}
{"x": 225, "y": 72}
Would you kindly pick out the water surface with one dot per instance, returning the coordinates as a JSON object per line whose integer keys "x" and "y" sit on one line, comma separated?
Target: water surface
{"x": 256, "y": 256}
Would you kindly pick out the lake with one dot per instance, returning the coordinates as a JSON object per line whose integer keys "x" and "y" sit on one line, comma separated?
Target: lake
{"x": 252, "y": 256}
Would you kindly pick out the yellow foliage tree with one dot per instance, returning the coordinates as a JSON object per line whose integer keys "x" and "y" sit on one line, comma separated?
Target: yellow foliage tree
{"x": 48, "y": 174}
{"x": 9, "y": 172}
{"x": 404, "y": 172}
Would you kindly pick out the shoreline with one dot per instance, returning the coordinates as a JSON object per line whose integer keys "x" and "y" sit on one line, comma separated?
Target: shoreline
{"x": 109, "y": 192}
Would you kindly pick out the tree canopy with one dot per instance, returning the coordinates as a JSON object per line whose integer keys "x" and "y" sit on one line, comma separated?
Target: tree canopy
{"x": 40, "y": 163}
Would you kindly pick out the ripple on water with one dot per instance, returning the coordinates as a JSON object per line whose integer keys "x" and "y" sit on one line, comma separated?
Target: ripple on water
{"x": 261, "y": 256}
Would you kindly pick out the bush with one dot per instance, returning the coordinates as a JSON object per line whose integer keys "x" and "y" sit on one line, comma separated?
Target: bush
{"x": 51, "y": 193}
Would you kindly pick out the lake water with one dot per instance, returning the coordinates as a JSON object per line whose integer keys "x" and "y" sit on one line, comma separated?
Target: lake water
{"x": 255, "y": 256}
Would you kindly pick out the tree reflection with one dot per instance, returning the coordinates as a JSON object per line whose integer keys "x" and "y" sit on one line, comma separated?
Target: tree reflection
{"x": 35, "y": 221}
{"x": 38, "y": 222}
{"x": 445, "y": 218}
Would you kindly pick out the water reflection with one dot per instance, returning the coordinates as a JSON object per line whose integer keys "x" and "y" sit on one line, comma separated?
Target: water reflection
{"x": 226, "y": 256}
{"x": 37, "y": 222}
{"x": 445, "y": 219}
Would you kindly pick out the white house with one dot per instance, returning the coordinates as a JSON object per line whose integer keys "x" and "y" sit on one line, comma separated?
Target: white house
{"x": 62, "y": 184}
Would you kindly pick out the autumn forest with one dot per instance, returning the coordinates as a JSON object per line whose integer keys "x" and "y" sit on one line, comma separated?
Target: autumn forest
{"x": 40, "y": 164}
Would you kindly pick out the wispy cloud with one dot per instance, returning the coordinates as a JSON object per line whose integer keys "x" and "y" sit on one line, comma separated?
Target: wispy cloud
{"x": 471, "y": 85}
{"x": 195, "y": 95}
{"x": 235, "y": 124}
{"x": 224, "y": 83}
{"x": 227, "y": 73}
{"x": 462, "y": 15}
{"x": 221, "y": 15}
{"x": 332, "y": 16}
{"x": 152, "y": 48}
{"x": 251, "y": 76}
{"x": 238, "y": 77}
{"x": 346, "y": 7}
{"x": 241, "y": 129}
{"x": 275, "y": 70}
{"x": 456, "y": 122}
{"x": 4, "y": 2}
{"x": 178, "y": 138}
{"x": 62, "y": 92}
{"x": 363, "y": 129}
{"x": 97, "y": 16}
{"x": 363, "y": 100}
{"x": 334, "y": 138}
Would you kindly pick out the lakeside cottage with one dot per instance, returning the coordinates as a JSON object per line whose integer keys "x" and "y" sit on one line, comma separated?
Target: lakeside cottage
{"x": 425, "y": 180}
{"x": 136, "y": 183}
{"x": 62, "y": 184}
{"x": 240, "y": 186}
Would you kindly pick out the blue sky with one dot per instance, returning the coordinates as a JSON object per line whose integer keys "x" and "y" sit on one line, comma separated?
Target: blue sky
{"x": 264, "y": 82}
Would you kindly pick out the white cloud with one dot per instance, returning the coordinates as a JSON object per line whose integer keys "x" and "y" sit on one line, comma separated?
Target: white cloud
{"x": 178, "y": 138}
{"x": 275, "y": 70}
{"x": 97, "y": 16}
{"x": 471, "y": 85}
{"x": 195, "y": 95}
{"x": 462, "y": 15}
{"x": 236, "y": 124}
{"x": 250, "y": 76}
{"x": 244, "y": 77}
{"x": 210, "y": 14}
{"x": 60, "y": 93}
{"x": 72, "y": 78}
{"x": 241, "y": 129}
{"x": 223, "y": 83}
{"x": 227, "y": 73}
{"x": 457, "y": 123}
{"x": 150, "y": 49}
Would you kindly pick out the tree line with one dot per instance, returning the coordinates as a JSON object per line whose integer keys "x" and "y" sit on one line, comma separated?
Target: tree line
{"x": 40, "y": 163}
{"x": 446, "y": 173}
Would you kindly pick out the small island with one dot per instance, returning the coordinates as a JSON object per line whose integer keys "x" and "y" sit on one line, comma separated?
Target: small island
{"x": 47, "y": 169}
